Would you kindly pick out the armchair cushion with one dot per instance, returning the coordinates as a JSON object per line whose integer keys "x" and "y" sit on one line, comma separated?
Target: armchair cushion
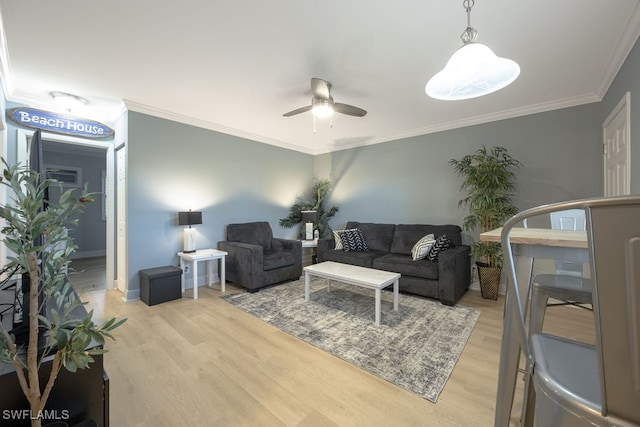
{"x": 277, "y": 259}
{"x": 254, "y": 233}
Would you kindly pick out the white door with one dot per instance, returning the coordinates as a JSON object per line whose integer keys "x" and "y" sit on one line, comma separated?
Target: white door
{"x": 617, "y": 149}
{"x": 121, "y": 221}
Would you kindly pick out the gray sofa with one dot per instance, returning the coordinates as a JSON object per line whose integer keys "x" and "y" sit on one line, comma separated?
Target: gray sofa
{"x": 257, "y": 259}
{"x": 389, "y": 248}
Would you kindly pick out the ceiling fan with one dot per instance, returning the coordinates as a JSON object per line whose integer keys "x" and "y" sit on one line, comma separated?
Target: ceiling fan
{"x": 322, "y": 104}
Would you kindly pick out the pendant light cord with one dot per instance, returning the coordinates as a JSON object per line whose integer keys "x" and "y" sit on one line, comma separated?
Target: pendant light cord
{"x": 470, "y": 34}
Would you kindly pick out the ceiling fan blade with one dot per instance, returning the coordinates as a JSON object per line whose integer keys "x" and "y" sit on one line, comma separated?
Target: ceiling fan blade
{"x": 348, "y": 109}
{"x": 297, "y": 111}
{"x": 321, "y": 88}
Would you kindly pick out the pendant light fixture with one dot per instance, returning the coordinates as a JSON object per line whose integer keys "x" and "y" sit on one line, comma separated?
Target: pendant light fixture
{"x": 473, "y": 70}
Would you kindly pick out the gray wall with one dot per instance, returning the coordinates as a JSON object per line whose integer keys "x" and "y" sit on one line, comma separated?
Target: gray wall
{"x": 174, "y": 167}
{"x": 90, "y": 234}
{"x": 411, "y": 181}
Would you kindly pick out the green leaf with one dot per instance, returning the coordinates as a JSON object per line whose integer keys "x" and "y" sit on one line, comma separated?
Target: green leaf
{"x": 61, "y": 338}
{"x": 489, "y": 181}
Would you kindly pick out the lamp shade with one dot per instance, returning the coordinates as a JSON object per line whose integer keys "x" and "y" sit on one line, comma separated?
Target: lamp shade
{"x": 473, "y": 70}
{"x": 189, "y": 218}
{"x": 308, "y": 216}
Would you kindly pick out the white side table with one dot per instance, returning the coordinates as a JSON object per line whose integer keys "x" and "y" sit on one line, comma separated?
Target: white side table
{"x": 312, "y": 244}
{"x": 208, "y": 255}
{"x": 309, "y": 243}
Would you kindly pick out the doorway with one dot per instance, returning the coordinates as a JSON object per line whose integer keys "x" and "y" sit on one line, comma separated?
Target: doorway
{"x": 75, "y": 161}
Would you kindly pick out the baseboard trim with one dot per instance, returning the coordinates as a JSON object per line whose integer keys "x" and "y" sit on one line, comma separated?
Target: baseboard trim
{"x": 131, "y": 295}
{"x": 89, "y": 254}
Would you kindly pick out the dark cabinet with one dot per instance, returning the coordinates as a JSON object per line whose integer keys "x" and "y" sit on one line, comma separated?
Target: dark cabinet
{"x": 76, "y": 397}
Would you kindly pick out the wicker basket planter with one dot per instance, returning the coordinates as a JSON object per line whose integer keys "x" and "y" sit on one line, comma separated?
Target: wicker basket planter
{"x": 489, "y": 280}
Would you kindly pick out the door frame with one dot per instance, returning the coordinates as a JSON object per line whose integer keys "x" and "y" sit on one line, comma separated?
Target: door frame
{"x": 120, "y": 197}
{"x": 22, "y": 148}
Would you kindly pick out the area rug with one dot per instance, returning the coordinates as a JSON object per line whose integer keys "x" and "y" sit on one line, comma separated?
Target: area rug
{"x": 415, "y": 348}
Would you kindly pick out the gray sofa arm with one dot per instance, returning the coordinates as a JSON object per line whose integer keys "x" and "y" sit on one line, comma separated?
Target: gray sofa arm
{"x": 244, "y": 264}
{"x": 323, "y": 246}
{"x": 454, "y": 273}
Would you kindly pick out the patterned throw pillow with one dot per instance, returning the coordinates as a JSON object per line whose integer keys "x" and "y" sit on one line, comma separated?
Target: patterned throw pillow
{"x": 338, "y": 239}
{"x": 440, "y": 245}
{"x": 353, "y": 241}
{"x": 422, "y": 247}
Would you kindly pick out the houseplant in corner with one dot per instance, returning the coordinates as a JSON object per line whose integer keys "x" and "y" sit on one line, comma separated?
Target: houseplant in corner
{"x": 489, "y": 181}
{"x": 315, "y": 201}
{"x": 35, "y": 233}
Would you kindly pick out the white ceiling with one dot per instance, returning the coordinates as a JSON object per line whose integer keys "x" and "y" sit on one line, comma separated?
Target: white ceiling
{"x": 237, "y": 66}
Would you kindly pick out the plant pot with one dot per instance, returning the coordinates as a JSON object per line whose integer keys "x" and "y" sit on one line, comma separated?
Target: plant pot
{"x": 489, "y": 280}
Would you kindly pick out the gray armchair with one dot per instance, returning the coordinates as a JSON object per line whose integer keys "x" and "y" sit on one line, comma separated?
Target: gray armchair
{"x": 256, "y": 259}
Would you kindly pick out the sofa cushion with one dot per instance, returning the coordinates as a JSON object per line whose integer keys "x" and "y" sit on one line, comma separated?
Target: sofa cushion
{"x": 406, "y": 235}
{"x": 377, "y": 236}
{"x": 440, "y": 245}
{"x": 406, "y": 266}
{"x": 362, "y": 259}
{"x": 254, "y": 233}
{"x": 277, "y": 259}
{"x": 422, "y": 247}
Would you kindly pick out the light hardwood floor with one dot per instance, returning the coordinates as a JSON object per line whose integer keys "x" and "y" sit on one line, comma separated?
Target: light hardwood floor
{"x": 88, "y": 274}
{"x": 206, "y": 363}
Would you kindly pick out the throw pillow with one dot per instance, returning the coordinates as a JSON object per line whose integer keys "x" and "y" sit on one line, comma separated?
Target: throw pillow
{"x": 338, "y": 239}
{"x": 440, "y": 245}
{"x": 422, "y": 247}
{"x": 353, "y": 241}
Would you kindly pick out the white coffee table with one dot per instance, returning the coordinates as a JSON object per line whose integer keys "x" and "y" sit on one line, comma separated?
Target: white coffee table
{"x": 354, "y": 275}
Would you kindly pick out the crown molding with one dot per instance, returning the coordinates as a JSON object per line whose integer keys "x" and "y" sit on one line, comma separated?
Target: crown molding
{"x": 204, "y": 124}
{"x": 627, "y": 41}
{"x": 478, "y": 120}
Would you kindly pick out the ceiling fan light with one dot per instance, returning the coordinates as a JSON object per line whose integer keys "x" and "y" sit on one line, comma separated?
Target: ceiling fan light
{"x": 322, "y": 109}
{"x": 473, "y": 70}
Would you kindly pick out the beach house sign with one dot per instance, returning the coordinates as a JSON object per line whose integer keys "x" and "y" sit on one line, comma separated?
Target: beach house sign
{"x": 58, "y": 123}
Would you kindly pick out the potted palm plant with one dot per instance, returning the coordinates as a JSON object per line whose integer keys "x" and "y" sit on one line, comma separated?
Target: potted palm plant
{"x": 489, "y": 180}
{"x": 314, "y": 201}
{"x": 35, "y": 233}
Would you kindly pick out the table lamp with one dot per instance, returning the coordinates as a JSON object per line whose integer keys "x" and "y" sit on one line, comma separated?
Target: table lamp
{"x": 189, "y": 218}
{"x": 309, "y": 217}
